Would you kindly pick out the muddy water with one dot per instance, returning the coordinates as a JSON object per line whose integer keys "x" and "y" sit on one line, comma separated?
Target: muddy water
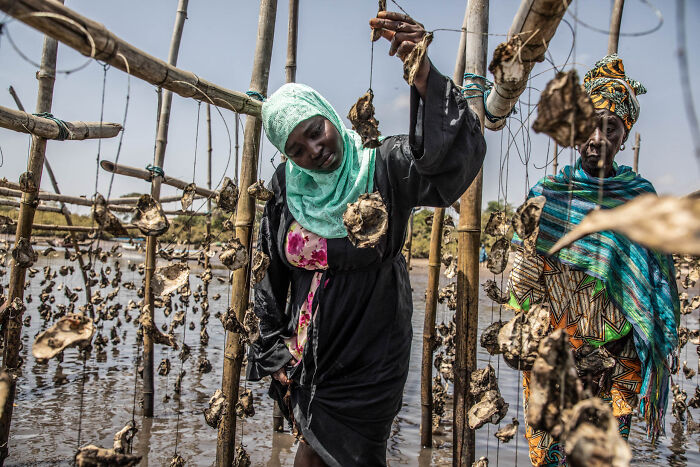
{"x": 53, "y": 416}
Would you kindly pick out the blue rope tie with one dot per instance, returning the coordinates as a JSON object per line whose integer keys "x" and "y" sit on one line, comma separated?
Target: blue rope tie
{"x": 63, "y": 132}
{"x": 482, "y": 91}
{"x": 155, "y": 171}
{"x": 256, "y": 95}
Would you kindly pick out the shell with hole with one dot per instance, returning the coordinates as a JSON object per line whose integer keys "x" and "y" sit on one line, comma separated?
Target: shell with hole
{"x": 70, "y": 330}
{"x": 149, "y": 217}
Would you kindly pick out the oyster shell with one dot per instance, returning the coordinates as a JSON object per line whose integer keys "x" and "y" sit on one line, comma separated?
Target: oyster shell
{"x": 506, "y": 64}
{"x": 258, "y": 191}
{"x": 366, "y": 220}
{"x": 70, "y": 330}
{"x": 491, "y": 408}
{"x": 168, "y": 279}
{"x": 105, "y": 219}
{"x": 177, "y": 461}
{"x": 244, "y": 406}
{"x": 592, "y": 360}
{"x": 23, "y": 254}
{"x": 227, "y": 196}
{"x": 93, "y": 456}
{"x": 498, "y": 256}
{"x": 164, "y": 367}
{"x": 592, "y": 436}
{"x": 251, "y": 323}
{"x": 216, "y": 410}
{"x": 520, "y": 337}
{"x": 497, "y": 225}
{"x": 489, "y": 338}
{"x": 260, "y": 264}
{"x": 149, "y": 217}
{"x": 494, "y": 292}
{"x": 149, "y": 327}
{"x": 554, "y": 384}
{"x": 413, "y": 61}
{"x": 242, "y": 458}
{"x": 123, "y": 437}
{"x": 188, "y": 195}
{"x": 507, "y": 433}
{"x": 527, "y": 216}
{"x": 362, "y": 118}
{"x": 481, "y": 462}
{"x": 565, "y": 111}
{"x": 203, "y": 365}
{"x": 234, "y": 256}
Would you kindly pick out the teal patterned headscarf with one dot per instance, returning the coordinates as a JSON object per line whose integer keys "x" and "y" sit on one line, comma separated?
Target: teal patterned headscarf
{"x": 317, "y": 200}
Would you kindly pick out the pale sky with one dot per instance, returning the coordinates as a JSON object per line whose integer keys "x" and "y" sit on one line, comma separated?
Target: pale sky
{"x": 334, "y": 57}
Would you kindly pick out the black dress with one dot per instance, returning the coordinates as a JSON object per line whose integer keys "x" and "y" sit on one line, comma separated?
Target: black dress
{"x": 349, "y": 386}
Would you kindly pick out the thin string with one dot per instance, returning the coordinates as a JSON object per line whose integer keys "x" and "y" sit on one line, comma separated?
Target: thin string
{"x": 196, "y": 139}
{"x": 121, "y": 136}
{"x": 82, "y": 395}
{"x": 99, "y": 140}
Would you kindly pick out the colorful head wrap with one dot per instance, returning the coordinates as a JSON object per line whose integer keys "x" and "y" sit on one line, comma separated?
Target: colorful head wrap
{"x": 611, "y": 89}
{"x": 317, "y": 200}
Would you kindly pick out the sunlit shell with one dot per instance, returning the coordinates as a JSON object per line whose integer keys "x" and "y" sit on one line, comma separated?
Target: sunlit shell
{"x": 506, "y": 65}
{"x": 177, "y": 461}
{"x": 93, "y": 456}
{"x": 366, "y": 220}
{"x": 150, "y": 328}
{"x": 362, "y": 118}
{"x": 482, "y": 381}
{"x": 234, "y": 256}
{"x": 498, "y": 256}
{"x": 491, "y": 408}
{"x": 494, "y": 292}
{"x": 168, "y": 279}
{"x": 483, "y": 461}
{"x": 520, "y": 337}
{"x": 227, "y": 196}
{"x": 260, "y": 264}
{"x": 149, "y": 217}
{"x": 565, "y": 111}
{"x": 105, "y": 218}
{"x": 258, "y": 191}
{"x": 507, "y": 433}
{"x": 413, "y": 61}
{"x": 251, "y": 323}
{"x": 216, "y": 409}
{"x": 592, "y": 436}
{"x": 123, "y": 437}
{"x": 188, "y": 195}
{"x": 23, "y": 254}
{"x": 244, "y": 406}
{"x": 527, "y": 217}
{"x": 70, "y": 330}
{"x": 497, "y": 225}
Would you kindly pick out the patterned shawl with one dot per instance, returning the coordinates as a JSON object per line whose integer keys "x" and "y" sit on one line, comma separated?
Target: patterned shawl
{"x": 640, "y": 282}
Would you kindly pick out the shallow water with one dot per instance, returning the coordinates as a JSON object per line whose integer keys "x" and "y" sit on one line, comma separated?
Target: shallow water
{"x": 48, "y": 424}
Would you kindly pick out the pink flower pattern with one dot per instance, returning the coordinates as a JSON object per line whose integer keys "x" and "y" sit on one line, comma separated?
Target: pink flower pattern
{"x": 305, "y": 250}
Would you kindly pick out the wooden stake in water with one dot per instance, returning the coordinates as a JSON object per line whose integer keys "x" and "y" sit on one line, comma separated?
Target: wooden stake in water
{"x": 245, "y": 215}
{"x": 468, "y": 235}
{"x": 151, "y": 242}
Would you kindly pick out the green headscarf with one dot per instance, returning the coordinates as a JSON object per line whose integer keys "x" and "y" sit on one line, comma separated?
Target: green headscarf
{"x": 317, "y": 200}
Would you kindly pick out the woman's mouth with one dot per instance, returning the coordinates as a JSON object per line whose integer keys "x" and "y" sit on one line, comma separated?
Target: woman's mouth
{"x": 327, "y": 160}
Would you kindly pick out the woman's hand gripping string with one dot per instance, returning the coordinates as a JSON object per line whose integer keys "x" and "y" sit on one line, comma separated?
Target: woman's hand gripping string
{"x": 404, "y": 33}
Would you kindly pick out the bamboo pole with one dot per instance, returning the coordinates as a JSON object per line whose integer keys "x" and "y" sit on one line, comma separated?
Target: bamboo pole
{"x": 46, "y": 128}
{"x": 469, "y": 232}
{"x": 245, "y": 215}
{"x": 555, "y": 160}
{"x": 66, "y": 214}
{"x": 236, "y": 167}
{"x": 41, "y": 207}
{"x": 434, "y": 255}
{"x": 615, "y": 20}
{"x": 134, "y": 172}
{"x": 637, "y": 145}
{"x": 536, "y": 29}
{"x": 73, "y": 228}
{"x": 292, "y": 35}
{"x": 92, "y": 39}
{"x": 134, "y": 200}
{"x": 13, "y": 327}
{"x": 151, "y": 242}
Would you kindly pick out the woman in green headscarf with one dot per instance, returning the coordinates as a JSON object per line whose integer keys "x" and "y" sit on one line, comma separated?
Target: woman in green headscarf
{"x": 335, "y": 320}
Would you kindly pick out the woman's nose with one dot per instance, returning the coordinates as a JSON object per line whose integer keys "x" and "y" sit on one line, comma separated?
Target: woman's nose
{"x": 597, "y": 135}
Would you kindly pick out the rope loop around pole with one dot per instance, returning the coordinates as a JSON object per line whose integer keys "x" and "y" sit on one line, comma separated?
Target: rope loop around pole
{"x": 63, "y": 131}
{"x": 155, "y": 171}
{"x": 483, "y": 91}
{"x": 256, "y": 95}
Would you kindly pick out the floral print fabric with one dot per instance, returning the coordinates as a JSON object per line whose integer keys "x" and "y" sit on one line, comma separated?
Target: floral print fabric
{"x": 305, "y": 249}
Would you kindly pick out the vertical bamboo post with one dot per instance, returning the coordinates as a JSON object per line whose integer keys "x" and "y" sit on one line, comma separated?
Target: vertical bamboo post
{"x": 434, "y": 256}
{"x": 245, "y": 216}
{"x": 65, "y": 212}
{"x": 236, "y": 167}
{"x": 637, "y": 143}
{"x": 615, "y": 20}
{"x": 292, "y": 34}
{"x": 469, "y": 231}
{"x": 555, "y": 160}
{"x": 209, "y": 151}
{"x": 151, "y": 242}
{"x": 29, "y": 201}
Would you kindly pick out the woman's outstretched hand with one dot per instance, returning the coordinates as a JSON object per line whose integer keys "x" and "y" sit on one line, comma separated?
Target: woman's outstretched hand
{"x": 404, "y": 33}
{"x": 281, "y": 374}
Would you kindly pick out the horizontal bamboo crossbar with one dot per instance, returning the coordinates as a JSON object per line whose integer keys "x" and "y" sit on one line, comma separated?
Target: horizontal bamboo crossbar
{"x": 42, "y": 207}
{"x": 73, "y": 228}
{"x": 92, "y": 39}
{"x": 46, "y": 128}
{"x": 146, "y": 175}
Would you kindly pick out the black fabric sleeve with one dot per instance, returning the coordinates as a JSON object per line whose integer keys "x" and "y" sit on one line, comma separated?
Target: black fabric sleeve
{"x": 443, "y": 152}
{"x": 269, "y": 352}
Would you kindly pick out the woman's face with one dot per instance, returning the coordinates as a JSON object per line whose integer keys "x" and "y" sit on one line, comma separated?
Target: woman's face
{"x": 315, "y": 144}
{"x": 602, "y": 145}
